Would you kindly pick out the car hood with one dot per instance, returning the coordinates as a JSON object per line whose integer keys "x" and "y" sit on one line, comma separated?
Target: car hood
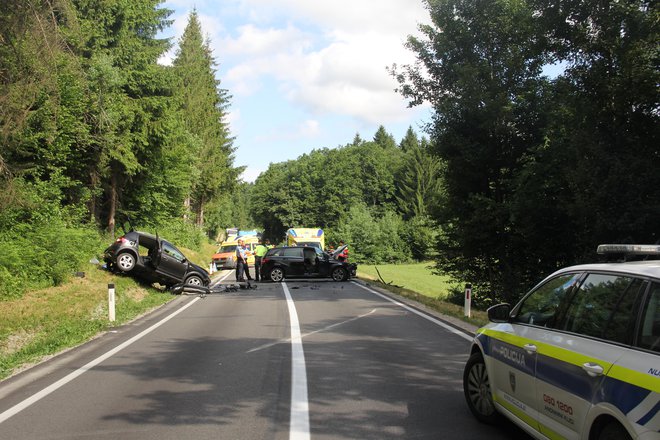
{"x": 198, "y": 269}
{"x": 223, "y": 254}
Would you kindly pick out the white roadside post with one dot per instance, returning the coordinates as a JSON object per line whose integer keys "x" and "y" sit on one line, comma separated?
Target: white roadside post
{"x": 468, "y": 299}
{"x": 111, "y": 302}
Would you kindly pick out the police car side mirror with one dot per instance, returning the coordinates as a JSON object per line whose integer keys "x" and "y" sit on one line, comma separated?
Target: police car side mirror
{"x": 499, "y": 313}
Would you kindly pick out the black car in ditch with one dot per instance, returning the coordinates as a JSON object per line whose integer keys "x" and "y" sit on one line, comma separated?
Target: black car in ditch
{"x": 153, "y": 260}
{"x": 304, "y": 262}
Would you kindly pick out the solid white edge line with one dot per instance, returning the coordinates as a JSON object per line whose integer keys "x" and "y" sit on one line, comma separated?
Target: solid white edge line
{"x": 417, "y": 312}
{"x": 299, "y": 420}
{"x": 222, "y": 278}
{"x": 66, "y": 379}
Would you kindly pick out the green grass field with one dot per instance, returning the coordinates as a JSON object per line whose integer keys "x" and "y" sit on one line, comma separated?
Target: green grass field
{"x": 417, "y": 277}
{"x": 417, "y": 282}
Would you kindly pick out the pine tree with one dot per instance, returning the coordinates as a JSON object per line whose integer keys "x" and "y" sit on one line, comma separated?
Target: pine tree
{"x": 203, "y": 109}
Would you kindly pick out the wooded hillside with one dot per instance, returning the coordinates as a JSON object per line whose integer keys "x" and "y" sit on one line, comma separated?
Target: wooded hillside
{"x": 544, "y": 141}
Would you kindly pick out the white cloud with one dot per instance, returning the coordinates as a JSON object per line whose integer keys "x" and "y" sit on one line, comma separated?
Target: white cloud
{"x": 328, "y": 57}
{"x": 385, "y": 16}
{"x": 254, "y": 41}
{"x": 309, "y": 128}
{"x": 343, "y": 70}
{"x": 250, "y": 174}
{"x": 232, "y": 117}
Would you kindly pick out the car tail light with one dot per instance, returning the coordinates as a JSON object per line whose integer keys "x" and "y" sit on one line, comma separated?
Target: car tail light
{"x": 121, "y": 239}
{"x": 264, "y": 260}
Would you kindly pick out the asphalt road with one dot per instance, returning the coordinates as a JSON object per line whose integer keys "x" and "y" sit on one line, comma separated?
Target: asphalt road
{"x": 337, "y": 361}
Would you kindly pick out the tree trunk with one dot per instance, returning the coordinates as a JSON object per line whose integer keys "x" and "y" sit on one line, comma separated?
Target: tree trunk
{"x": 113, "y": 203}
{"x": 200, "y": 212}
{"x": 186, "y": 205}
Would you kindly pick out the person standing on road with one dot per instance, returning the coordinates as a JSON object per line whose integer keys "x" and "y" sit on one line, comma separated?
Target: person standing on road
{"x": 259, "y": 252}
{"x": 242, "y": 268}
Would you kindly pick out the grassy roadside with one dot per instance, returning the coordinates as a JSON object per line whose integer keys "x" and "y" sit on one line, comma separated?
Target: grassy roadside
{"x": 47, "y": 321}
{"x": 416, "y": 282}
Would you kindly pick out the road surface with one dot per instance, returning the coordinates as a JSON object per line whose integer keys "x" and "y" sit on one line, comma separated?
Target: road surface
{"x": 296, "y": 360}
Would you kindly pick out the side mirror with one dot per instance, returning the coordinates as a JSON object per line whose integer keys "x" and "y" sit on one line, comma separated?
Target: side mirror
{"x": 499, "y": 313}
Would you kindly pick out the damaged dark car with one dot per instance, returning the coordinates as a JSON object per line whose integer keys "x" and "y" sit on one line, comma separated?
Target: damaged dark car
{"x": 304, "y": 262}
{"x": 153, "y": 260}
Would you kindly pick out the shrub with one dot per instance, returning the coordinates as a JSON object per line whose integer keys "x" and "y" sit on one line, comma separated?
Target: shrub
{"x": 179, "y": 232}
{"x": 373, "y": 239}
{"x": 43, "y": 255}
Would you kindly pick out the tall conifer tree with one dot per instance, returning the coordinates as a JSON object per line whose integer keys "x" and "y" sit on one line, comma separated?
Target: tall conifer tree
{"x": 203, "y": 107}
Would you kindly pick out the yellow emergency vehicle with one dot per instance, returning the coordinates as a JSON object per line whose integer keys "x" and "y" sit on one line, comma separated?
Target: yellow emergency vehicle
{"x": 305, "y": 237}
{"x": 225, "y": 257}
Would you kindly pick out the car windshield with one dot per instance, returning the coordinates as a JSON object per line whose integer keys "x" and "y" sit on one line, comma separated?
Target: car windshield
{"x": 227, "y": 248}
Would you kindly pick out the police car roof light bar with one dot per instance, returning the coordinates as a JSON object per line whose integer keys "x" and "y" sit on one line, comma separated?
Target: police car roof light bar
{"x": 629, "y": 249}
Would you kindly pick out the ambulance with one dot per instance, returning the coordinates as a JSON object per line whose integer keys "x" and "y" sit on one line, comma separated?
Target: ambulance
{"x": 579, "y": 356}
{"x": 305, "y": 237}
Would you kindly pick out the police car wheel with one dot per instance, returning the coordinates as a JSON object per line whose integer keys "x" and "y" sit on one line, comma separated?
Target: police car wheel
{"x": 476, "y": 387}
{"x": 613, "y": 431}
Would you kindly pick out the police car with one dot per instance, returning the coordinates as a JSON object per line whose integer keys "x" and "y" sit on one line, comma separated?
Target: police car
{"x": 579, "y": 356}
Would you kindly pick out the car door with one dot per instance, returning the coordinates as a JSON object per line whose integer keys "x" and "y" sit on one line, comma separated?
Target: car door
{"x": 513, "y": 347}
{"x": 632, "y": 385}
{"x": 173, "y": 264}
{"x": 293, "y": 259}
{"x": 311, "y": 265}
{"x": 574, "y": 360}
{"x": 322, "y": 263}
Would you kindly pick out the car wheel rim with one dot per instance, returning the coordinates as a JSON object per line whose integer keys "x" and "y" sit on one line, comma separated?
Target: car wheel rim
{"x": 337, "y": 275}
{"x": 125, "y": 262}
{"x": 195, "y": 281}
{"x": 478, "y": 388}
{"x": 276, "y": 275}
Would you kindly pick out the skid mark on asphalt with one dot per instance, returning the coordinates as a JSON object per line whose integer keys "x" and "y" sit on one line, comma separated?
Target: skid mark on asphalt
{"x": 337, "y": 324}
{"x": 418, "y": 313}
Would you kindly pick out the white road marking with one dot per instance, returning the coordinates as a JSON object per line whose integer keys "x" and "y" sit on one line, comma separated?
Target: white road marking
{"x": 221, "y": 279}
{"x": 417, "y": 312}
{"x": 66, "y": 379}
{"x": 261, "y": 347}
{"x": 299, "y": 420}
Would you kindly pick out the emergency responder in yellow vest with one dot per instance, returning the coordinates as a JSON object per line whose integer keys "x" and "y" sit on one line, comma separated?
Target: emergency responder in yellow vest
{"x": 259, "y": 252}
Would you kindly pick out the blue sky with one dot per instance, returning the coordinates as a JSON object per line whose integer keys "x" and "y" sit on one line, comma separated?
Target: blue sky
{"x": 306, "y": 74}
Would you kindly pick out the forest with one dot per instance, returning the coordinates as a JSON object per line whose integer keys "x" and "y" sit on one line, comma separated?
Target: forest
{"x": 517, "y": 173}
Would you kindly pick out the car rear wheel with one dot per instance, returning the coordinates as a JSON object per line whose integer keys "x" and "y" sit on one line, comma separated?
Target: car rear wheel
{"x": 194, "y": 280}
{"x": 125, "y": 261}
{"x": 339, "y": 274}
{"x": 476, "y": 387}
{"x": 276, "y": 274}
